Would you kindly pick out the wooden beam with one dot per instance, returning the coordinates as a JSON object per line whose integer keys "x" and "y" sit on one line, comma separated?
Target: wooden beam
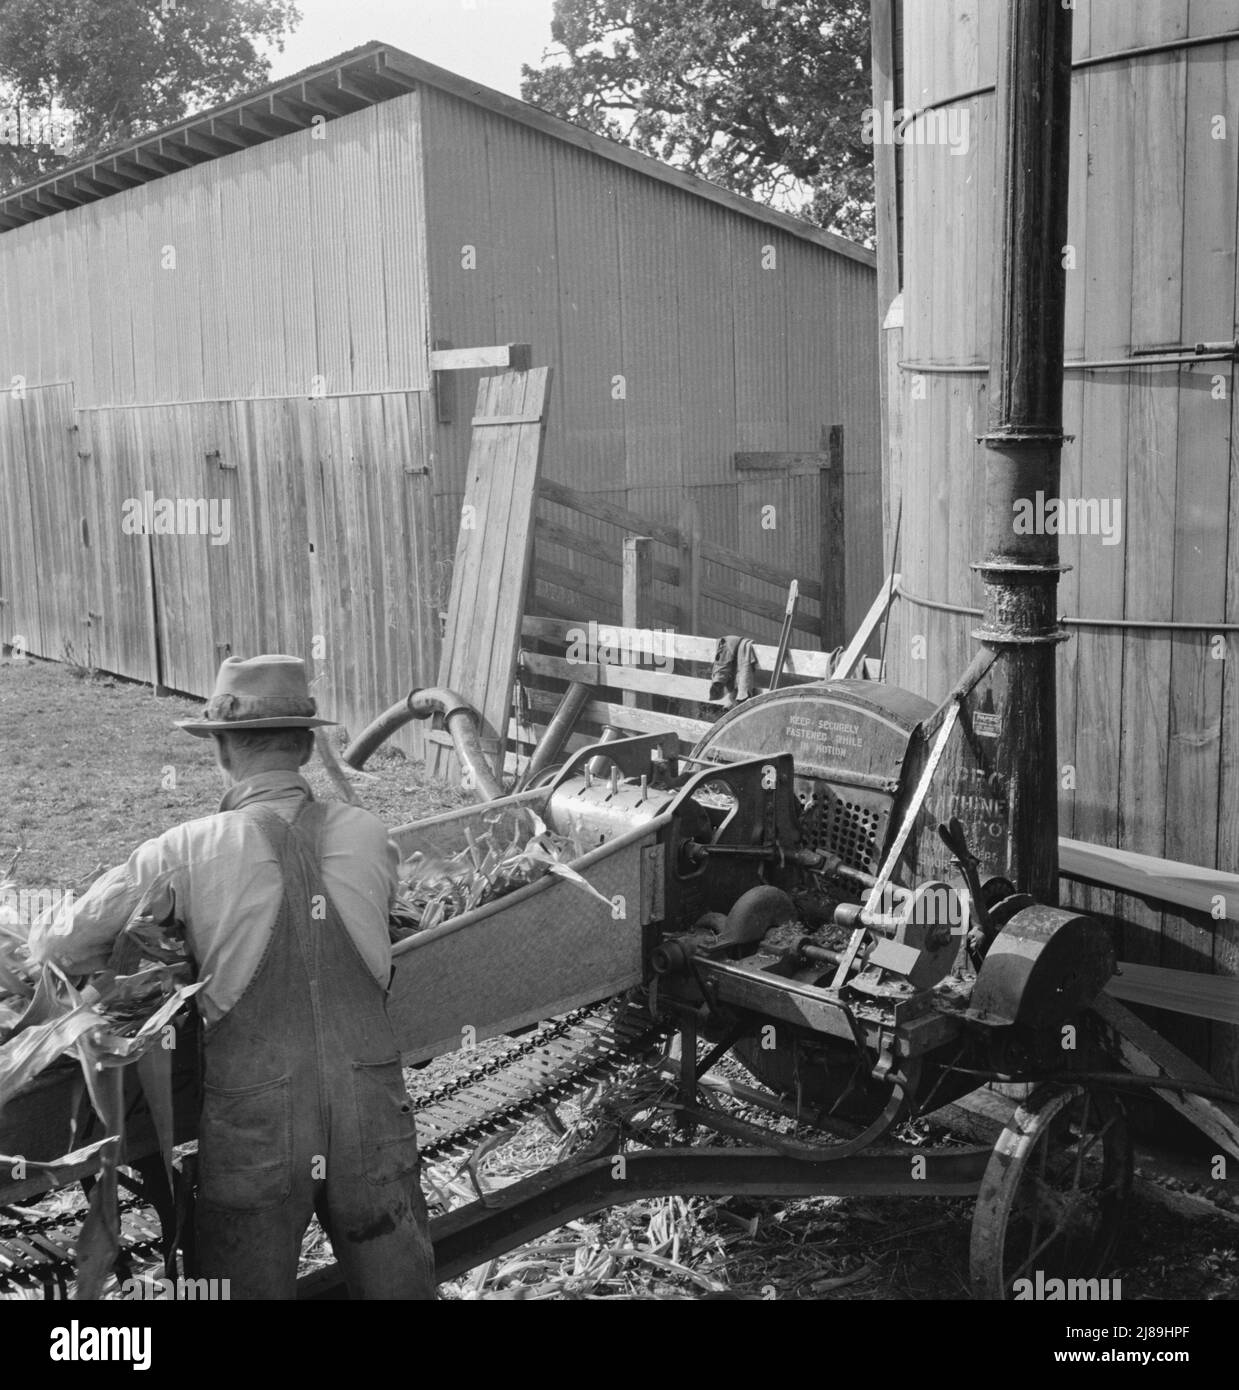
{"x": 394, "y": 75}
{"x": 178, "y": 153}
{"x": 595, "y": 596}
{"x": 1145, "y": 876}
{"x": 1179, "y": 991}
{"x": 690, "y": 563}
{"x": 1146, "y": 1053}
{"x": 204, "y": 143}
{"x": 341, "y": 98}
{"x": 618, "y": 677}
{"x": 95, "y": 187}
{"x": 628, "y": 717}
{"x": 360, "y": 84}
{"x": 46, "y": 197}
{"x": 294, "y": 114}
{"x": 150, "y": 160}
{"x": 263, "y": 123}
{"x": 494, "y": 554}
{"x": 852, "y": 653}
{"x": 230, "y": 135}
{"x": 687, "y": 646}
{"x": 111, "y": 177}
{"x": 516, "y": 357}
{"x": 637, "y": 597}
{"x": 832, "y": 541}
{"x": 589, "y": 505}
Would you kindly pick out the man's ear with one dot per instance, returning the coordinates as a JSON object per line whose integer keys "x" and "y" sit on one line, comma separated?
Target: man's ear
{"x": 223, "y": 754}
{"x": 307, "y": 748}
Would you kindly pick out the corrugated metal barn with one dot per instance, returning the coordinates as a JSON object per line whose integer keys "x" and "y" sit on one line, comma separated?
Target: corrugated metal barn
{"x": 241, "y": 309}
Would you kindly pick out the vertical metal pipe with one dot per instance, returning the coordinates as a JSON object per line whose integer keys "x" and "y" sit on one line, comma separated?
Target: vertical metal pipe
{"x": 1023, "y": 448}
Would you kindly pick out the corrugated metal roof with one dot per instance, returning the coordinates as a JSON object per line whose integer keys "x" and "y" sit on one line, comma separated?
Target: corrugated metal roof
{"x": 350, "y": 82}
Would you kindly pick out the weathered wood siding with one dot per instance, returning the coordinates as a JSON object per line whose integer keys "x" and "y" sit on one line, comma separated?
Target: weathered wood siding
{"x": 610, "y": 274}
{"x": 251, "y": 331}
{"x": 1148, "y": 718}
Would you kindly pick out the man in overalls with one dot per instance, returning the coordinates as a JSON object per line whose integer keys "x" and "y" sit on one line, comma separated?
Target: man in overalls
{"x": 285, "y": 902}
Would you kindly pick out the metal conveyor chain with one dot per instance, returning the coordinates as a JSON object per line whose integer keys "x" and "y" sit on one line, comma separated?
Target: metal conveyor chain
{"x": 549, "y": 1064}
{"x": 557, "y": 1060}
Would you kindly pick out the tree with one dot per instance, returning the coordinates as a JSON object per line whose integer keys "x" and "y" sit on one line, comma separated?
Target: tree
{"x": 77, "y": 76}
{"x": 765, "y": 97}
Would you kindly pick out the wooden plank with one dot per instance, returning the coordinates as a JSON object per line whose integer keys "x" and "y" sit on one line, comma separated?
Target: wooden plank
{"x": 602, "y": 510}
{"x": 516, "y": 357}
{"x": 618, "y": 677}
{"x": 1224, "y": 1041}
{"x": 1146, "y": 876}
{"x": 519, "y": 735}
{"x": 1153, "y": 421}
{"x": 596, "y": 590}
{"x": 832, "y": 541}
{"x": 555, "y": 607}
{"x": 638, "y": 721}
{"x": 1144, "y": 1052}
{"x": 1178, "y": 991}
{"x": 690, "y": 564}
{"x": 886, "y": 213}
{"x": 854, "y": 650}
{"x": 494, "y": 553}
{"x": 1201, "y": 513}
{"x": 670, "y": 574}
{"x": 637, "y": 606}
{"x": 583, "y": 544}
{"x": 684, "y": 646}
{"x": 1104, "y": 446}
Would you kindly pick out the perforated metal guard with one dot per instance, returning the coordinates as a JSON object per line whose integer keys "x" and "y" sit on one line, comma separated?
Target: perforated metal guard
{"x": 848, "y": 821}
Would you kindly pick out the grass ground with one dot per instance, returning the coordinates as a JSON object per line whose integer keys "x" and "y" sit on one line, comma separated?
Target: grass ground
{"x": 89, "y": 767}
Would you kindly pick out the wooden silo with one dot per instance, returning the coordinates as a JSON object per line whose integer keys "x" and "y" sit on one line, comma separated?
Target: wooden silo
{"x": 1148, "y": 694}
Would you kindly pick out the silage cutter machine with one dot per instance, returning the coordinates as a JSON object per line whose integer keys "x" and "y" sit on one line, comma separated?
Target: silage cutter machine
{"x": 794, "y": 894}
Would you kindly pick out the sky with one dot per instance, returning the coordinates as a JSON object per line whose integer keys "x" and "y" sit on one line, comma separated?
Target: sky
{"x": 486, "y": 40}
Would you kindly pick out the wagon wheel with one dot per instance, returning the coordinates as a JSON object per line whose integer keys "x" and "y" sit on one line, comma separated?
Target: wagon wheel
{"x": 1053, "y": 1194}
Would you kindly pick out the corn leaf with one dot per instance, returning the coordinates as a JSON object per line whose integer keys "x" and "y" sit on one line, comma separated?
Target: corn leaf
{"x": 54, "y": 1166}
{"x": 27, "y": 1054}
{"x": 98, "y": 1242}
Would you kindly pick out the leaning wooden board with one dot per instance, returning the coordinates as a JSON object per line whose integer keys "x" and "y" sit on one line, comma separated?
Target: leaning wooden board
{"x": 493, "y": 554}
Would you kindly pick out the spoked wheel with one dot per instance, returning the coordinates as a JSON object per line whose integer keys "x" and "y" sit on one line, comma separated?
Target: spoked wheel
{"x": 1053, "y": 1195}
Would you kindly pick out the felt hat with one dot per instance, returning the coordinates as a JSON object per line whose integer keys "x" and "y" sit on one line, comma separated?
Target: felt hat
{"x": 258, "y": 692}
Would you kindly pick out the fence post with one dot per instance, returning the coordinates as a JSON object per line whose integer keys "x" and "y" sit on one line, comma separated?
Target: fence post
{"x": 637, "y": 598}
{"x": 690, "y": 564}
{"x": 832, "y": 541}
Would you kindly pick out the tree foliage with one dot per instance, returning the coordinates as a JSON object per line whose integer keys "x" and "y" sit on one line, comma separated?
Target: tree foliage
{"x": 762, "y": 96}
{"x": 105, "y": 71}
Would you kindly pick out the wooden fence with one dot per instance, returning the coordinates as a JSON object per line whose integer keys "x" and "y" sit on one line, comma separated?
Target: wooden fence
{"x": 586, "y": 547}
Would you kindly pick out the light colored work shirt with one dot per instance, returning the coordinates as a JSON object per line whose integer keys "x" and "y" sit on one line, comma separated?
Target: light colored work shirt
{"x": 228, "y": 889}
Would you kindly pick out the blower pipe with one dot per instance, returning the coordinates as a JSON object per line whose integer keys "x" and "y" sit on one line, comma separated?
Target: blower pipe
{"x": 459, "y": 718}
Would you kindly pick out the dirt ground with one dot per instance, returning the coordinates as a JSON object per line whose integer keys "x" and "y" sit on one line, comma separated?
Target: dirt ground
{"x": 90, "y": 766}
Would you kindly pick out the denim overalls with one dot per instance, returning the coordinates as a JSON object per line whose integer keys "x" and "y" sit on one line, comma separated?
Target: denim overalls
{"x": 304, "y": 1106}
